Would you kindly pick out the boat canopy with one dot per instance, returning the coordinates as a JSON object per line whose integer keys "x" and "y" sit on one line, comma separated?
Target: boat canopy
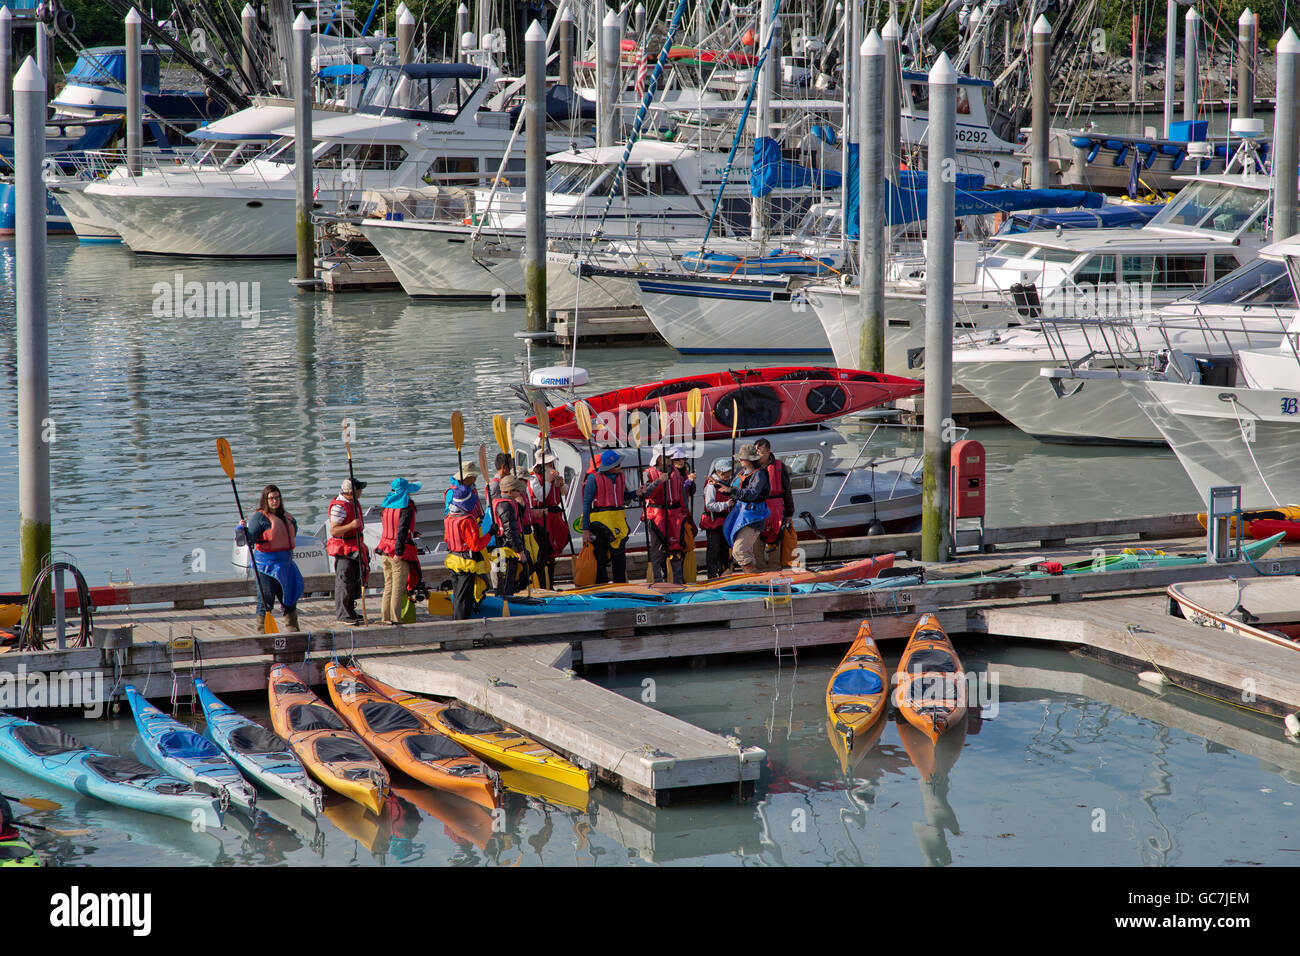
{"x": 1107, "y": 217}
{"x": 769, "y": 171}
{"x": 106, "y": 66}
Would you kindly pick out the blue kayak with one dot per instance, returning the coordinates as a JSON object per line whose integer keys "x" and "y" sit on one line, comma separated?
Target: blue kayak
{"x": 53, "y": 756}
{"x": 187, "y": 754}
{"x": 263, "y": 755}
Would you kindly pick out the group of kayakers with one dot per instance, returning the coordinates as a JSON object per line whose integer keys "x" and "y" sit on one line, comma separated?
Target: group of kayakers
{"x": 746, "y": 517}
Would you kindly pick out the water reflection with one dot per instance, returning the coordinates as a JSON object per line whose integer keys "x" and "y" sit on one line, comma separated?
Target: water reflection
{"x": 934, "y": 762}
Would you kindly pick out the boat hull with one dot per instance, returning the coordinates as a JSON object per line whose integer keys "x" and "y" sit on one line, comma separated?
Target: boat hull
{"x": 707, "y": 315}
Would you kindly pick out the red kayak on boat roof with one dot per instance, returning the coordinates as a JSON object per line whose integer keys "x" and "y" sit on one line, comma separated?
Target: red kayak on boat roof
{"x": 768, "y": 399}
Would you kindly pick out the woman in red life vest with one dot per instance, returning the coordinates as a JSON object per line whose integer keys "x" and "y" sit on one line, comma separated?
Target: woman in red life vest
{"x": 273, "y": 532}
{"x": 465, "y": 541}
{"x": 666, "y": 513}
{"x": 780, "y": 506}
{"x": 397, "y": 545}
{"x": 348, "y": 549}
{"x": 717, "y": 505}
{"x": 546, "y": 498}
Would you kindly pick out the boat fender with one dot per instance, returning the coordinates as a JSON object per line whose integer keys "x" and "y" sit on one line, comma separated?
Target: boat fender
{"x": 1153, "y": 677}
{"x": 1292, "y": 724}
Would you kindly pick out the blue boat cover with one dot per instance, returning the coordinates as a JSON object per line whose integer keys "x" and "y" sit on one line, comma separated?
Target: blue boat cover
{"x": 858, "y": 682}
{"x": 1106, "y": 217}
{"x": 769, "y": 171}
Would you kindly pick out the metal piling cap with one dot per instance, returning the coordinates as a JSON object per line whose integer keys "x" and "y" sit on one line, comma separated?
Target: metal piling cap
{"x": 1247, "y": 19}
{"x": 535, "y": 33}
{"x": 1192, "y": 15}
{"x": 872, "y": 45}
{"x": 29, "y": 78}
{"x": 942, "y": 73}
{"x": 1041, "y": 25}
{"x": 302, "y": 23}
{"x": 1289, "y": 45}
{"x": 568, "y": 16}
{"x": 407, "y": 18}
{"x": 132, "y": 18}
{"x": 5, "y": 14}
{"x": 890, "y": 30}
{"x": 248, "y": 13}
{"x": 611, "y": 19}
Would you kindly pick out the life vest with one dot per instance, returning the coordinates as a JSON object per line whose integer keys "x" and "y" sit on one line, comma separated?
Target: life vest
{"x": 462, "y": 534}
{"x": 609, "y": 492}
{"x": 548, "y": 510}
{"x": 519, "y": 518}
{"x": 349, "y": 545}
{"x": 745, "y": 513}
{"x": 775, "y": 501}
{"x": 281, "y": 538}
{"x": 665, "y": 508}
{"x": 388, "y": 538}
{"x": 709, "y": 519}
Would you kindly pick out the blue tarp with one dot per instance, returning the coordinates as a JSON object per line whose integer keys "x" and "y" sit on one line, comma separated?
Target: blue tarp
{"x": 769, "y": 171}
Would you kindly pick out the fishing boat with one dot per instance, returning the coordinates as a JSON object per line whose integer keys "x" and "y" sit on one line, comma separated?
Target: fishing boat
{"x": 331, "y": 752}
{"x": 488, "y": 739}
{"x": 856, "y": 697}
{"x": 263, "y": 756}
{"x": 770, "y": 399}
{"x": 409, "y": 741}
{"x": 53, "y": 756}
{"x": 187, "y": 754}
{"x": 1262, "y": 609}
{"x": 931, "y": 685}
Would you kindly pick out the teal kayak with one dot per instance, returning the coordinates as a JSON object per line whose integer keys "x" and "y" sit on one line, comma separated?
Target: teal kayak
{"x": 188, "y": 755}
{"x": 53, "y": 756}
{"x": 263, "y": 755}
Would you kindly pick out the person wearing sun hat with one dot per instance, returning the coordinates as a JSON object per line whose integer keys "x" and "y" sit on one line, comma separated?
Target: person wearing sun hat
{"x": 749, "y": 489}
{"x": 512, "y": 542}
{"x": 604, "y": 525}
{"x": 717, "y": 505}
{"x": 546, "y": 492}
{"x": 347, "y": 546}
{"x": 397, "y": 545}
{"x": 465, "y": 542}
{"x": 662, "y": 492}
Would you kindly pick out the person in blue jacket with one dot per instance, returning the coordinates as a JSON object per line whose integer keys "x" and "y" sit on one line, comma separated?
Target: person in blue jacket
{"x": 749, "y": 490}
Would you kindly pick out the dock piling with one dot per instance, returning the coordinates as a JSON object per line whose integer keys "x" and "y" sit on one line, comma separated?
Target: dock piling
{"x": 1246, "y": 65}
{"x": 871, "y": 205}
{"x": 607, "y": 83}
{"x": 405, "y": 37}
{"x": 134, "y": 95}
{"x": 462, "y": 27}
{"x": 302, "y": 149}
{"x": 1191, "y": 87}
{"x": 1171, "y": 52}
{"x": 566, "y": 49}
{"x": 941, "y": 182}
{"x": 248, "y": 38}
{"x": 535, "y": 178}
{"x": 893, "y": 100}
{"x": 639, "y": 20}
{"x": 976, "y": 66}
{"x": 762, "y": 120}
{"x": 1286, "y": 150}
{"x": 1041, "y": 92}
{"x": 6, "y": 61}
{"x": 32, "y": 334}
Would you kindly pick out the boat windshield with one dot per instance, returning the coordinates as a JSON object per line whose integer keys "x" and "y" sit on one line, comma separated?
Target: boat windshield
{"x": 1220, "y": 207}
{"x": 437, "y": 97}
{"x": 1019, "y": 250}
{"x": 1262, "y": 282}
{"x": 573, "y": 179}
{"x": 819, "y": 223}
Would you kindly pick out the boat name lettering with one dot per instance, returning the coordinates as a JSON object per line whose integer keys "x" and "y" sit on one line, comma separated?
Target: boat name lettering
{"x": 75, "y": 909}
{"x": 1289, "y": 406}
{"x": 967, "y": 135}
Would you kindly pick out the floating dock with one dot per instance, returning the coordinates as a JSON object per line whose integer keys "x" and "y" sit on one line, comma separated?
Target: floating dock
{"x": 524, "y": 670}
{"x": 615, "y": 325}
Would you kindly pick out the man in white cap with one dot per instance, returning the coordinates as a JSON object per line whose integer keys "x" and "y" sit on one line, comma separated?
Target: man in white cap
{"x": 346, "y": 547}
{"x": 717, "y": 505}
{"x": 546, "y": 492}
{"x": 665, "y": 515}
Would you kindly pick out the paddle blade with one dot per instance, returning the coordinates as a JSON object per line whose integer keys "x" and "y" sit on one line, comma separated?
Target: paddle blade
{"x": 482, "y": 462}
{"x": 694, "y": 406}
{"x": 735, "y": 418}
{"x": 543, "y": 419}
{"x": 457, "y": 429}
{"x": 35, "y": 803}
{"x": 663, "y": 421}
{"x": 227, "y": 459}
{"x": 509, "y": 446}
{"x": 500, "y": 431}
{"x": 634, "y": 429}
{"x": 268, "y": 622}
{"x": 582, "y": 413}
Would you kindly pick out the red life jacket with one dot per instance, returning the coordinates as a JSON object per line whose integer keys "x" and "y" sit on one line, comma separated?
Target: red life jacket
{"x": 462, "y": 533}
{"x": 708, "y": 519}
{"x": 519, "y": 515}
{"x": 609, "y": 492}
{"x": 665, "y": 508}
{"x": 775, "y": 501}
{"x": 388, "y": 539}
{"x": 549, "y": 512}
{"x": 281, "y": 538}
{"x": 349, "y": 545}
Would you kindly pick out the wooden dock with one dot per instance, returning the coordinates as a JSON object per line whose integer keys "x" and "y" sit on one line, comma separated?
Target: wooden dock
{"x": 967, "y": 410}
{"x": 617, "y": 325}
{"x": 356, "y": 274}
{"x": 515, "y": 668}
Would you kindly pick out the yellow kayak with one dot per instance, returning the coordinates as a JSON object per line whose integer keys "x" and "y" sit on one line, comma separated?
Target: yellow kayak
{"x": 489, "y": 740}
{"x": 549, "y": 790}
{"x": 856, "y": 698}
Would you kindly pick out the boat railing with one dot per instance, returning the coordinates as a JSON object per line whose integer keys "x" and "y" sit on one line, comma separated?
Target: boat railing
{"x": 902, "y": 465}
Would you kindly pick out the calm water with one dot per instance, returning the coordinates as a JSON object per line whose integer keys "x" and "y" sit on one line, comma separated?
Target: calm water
{"x": 138, "y": 401}
{"x": 1116, "y": 775}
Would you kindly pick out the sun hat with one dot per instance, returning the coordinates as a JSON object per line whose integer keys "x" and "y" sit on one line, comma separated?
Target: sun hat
{"x": 609, "y": 460}
{"x": 748, "y": 453}
{"x": 399, "y": 493}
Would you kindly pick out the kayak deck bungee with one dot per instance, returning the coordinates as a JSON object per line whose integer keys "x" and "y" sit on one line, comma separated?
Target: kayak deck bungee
{"x": 262, "y": 755}
{"x": 408, "y": 741}
{"x": 931, "y": 692}
{"x": 187, "y": 755}
{"x": 488, "y": 739}
{"x": 52, "y": 756}
{"x": 331, "y": 752}
{"x": 856, "y": 698}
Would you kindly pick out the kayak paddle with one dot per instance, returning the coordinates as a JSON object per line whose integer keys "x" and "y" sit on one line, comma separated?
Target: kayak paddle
{"x": 361, "y": 535}
{"x": 501, "y": 429}
{"x": 487, "y": 495}
{"x": 58, "y": 833}
{"x": 32, "y": 803}
{"x": 228, "y": 466}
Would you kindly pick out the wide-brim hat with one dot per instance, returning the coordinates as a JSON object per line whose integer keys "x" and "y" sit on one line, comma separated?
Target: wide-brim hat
{"x": 510, "y": 485}
{"x": 722, "y": 465}
{"x": 609, "y": 460}
{"x": 748, "y": 453}
{"x": 466, "y": 473}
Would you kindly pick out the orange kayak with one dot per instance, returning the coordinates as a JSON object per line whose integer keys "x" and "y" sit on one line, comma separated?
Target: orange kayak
{"x": 407, "y": 740}
{"x": 931, "y": 692}
{"x": 332, "y": 754}
{"x": 463, "y": 821}
{"x": 856, "y": 698}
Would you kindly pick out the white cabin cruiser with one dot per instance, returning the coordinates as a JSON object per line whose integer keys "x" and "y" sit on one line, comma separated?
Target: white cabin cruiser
{"x": 418, "y": 124}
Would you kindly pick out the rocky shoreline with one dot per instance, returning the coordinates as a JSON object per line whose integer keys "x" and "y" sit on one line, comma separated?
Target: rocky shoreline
{"x": 1113, "y": 81}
